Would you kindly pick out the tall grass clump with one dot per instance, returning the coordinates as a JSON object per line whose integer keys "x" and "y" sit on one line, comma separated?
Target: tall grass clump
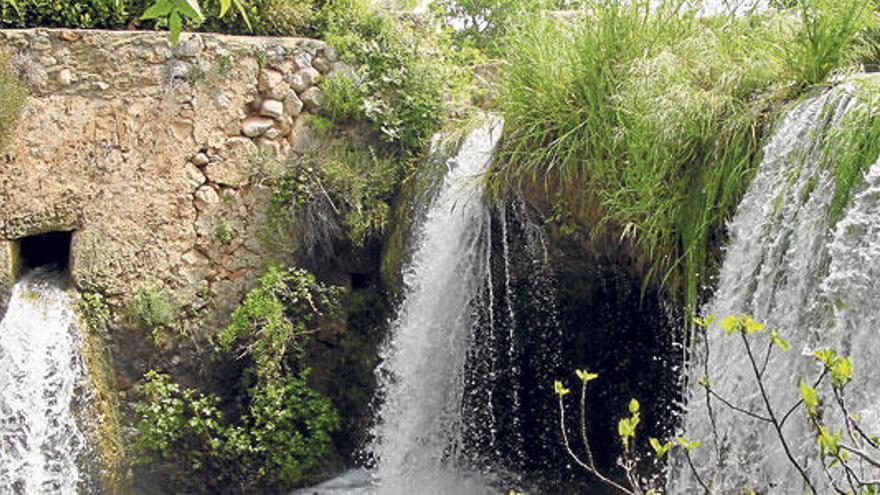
{"x": 854, "y": 145}
{"x": 651, "y": 114}
{"x": 826, "y": 31}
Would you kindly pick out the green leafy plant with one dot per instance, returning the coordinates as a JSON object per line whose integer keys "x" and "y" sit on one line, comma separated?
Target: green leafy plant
{"x": 174, "y": 12}
{"x": 223, "y": 233}
{"x": 281, "y": 432}
{"x": 399, "y": 83}
{"x": 832, "y": 451}
{"x": 627, "y": 433}
{"x": 155, "y": 308}
{"x": 340, "y": 189}
{"x": 94, "y": 309}
{"x": 850, "y": 450}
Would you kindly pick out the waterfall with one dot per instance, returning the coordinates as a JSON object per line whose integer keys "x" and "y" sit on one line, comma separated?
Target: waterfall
{"x": 421, "y": 377}
{"x": 463, "y": 406}
{"x": 817, "y": 283}
{"x": 41, "y": 444}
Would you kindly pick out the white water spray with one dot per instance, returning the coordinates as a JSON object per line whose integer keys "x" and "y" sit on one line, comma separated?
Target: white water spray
{"x": 423, "y": 365}
{"x": 40, "y": 370}
{"x": 818, "y": 285}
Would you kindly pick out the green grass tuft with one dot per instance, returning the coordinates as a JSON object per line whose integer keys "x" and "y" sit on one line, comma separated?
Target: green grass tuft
{"x": 647, "y": 119}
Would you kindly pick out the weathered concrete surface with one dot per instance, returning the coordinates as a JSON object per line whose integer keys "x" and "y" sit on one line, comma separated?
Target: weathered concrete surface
{"x": 150, "y": 154}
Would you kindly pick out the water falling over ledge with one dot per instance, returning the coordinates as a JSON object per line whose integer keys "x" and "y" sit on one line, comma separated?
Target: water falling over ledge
{"x": 42, "y": 447}
{"x": 815, "y": 282}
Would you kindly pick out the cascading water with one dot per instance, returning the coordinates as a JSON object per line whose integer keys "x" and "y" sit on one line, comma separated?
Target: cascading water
{"x": 41, "y": 444}
{"x": 455, "y": 374}
{"x": 423, "y": 364}
{"x": 819, "y": 284}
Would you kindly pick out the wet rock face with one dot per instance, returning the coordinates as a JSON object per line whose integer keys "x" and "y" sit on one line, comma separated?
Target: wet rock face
{"x": 147, "y": 153}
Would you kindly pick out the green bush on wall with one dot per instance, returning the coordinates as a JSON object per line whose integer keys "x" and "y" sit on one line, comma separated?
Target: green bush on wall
{"x": 278, "y": 432}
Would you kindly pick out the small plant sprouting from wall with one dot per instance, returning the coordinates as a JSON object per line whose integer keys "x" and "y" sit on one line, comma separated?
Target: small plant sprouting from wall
{"x": 156, "y": 309}
{"x": 104, "y": 408}
{"x": 93, "y": 307}
{"x": 224, "y": 232}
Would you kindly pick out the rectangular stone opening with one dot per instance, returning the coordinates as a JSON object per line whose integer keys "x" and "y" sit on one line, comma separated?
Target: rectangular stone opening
{"x": 51, "y": 249}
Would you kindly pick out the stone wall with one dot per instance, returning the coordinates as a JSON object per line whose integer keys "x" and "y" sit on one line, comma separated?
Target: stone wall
{"x": 151, "y": 155}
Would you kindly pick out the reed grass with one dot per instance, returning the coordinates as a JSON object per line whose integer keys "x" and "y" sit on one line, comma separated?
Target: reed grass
{"x": 654, "y": 115}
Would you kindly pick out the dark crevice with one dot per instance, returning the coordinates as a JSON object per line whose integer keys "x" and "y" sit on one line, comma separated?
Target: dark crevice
{"x": 51, "y": 249}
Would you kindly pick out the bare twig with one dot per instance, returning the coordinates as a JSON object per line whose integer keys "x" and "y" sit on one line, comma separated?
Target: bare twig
{"x": 738, "y": 408}
{"x": 801, "y": 401}
{"x": 772, "y": 415}
{"x": 587, "y": 467}
{"x": 699, "y": 478}
{"x": 584, "y": 425}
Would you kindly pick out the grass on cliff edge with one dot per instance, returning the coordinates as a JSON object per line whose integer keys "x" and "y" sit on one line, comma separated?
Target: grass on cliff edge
{"x": 654, "y": 116}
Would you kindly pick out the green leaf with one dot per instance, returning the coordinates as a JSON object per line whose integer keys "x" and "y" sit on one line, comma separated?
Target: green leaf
{"x": 688, "y": 445}
{"x": 586, "y": 376}
{"x": 175, "y": 26}
{"x": 190, "y": 9}
{"x": 159, "y": 10}
{"x": 704, "y": 382}
{"x": 238, "y": 5}
{"x": 810, "y": 397}
{"x": 778, "y": 341}
{"x": 729, "y": 324}
{"x": 560, "y": 389}
{"x": 660, "y": 450}
{"x": 704, "y": 322}
{"x": 626, "y": 430}
{"x": 841, "y": 371}
{"x": 752, "y": 326}
{"x": 826, "y": 356}
{"x": 633, "y": 406}
{"x": 827, "y": 441}
{"x": 224, "y": 7}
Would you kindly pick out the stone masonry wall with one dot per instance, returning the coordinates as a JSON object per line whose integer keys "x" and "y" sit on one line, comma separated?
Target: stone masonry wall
{"x": 151, "y": 155}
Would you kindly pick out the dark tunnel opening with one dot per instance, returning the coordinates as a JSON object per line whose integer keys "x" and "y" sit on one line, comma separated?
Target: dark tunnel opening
{"x": 50, "y": 249}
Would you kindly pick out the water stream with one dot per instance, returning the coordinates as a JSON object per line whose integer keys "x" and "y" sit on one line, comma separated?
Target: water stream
{"x": 41, "y": 444}
{"x": 818, "y": 284}
{"x": 422, "y": 375}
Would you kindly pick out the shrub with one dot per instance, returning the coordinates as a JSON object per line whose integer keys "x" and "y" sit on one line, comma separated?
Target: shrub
{"x": 342, "y": 99}
{"x": 271, "y": 322}
{"x": 281, "y": 432}
{"x": 65, "y": 13}
{"x": 399, "y": 82}
{"x": 340, "y": 189}
{"x": 155, "y": 307}
{"x": 850, "y": 462}
{"x": 12, "y": 94}
{"x": 261, "y": 17}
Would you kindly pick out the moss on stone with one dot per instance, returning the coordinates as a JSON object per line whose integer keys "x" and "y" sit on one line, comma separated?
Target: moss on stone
{"x": 104, "y": 408}
{"x": 12, "y": 95}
